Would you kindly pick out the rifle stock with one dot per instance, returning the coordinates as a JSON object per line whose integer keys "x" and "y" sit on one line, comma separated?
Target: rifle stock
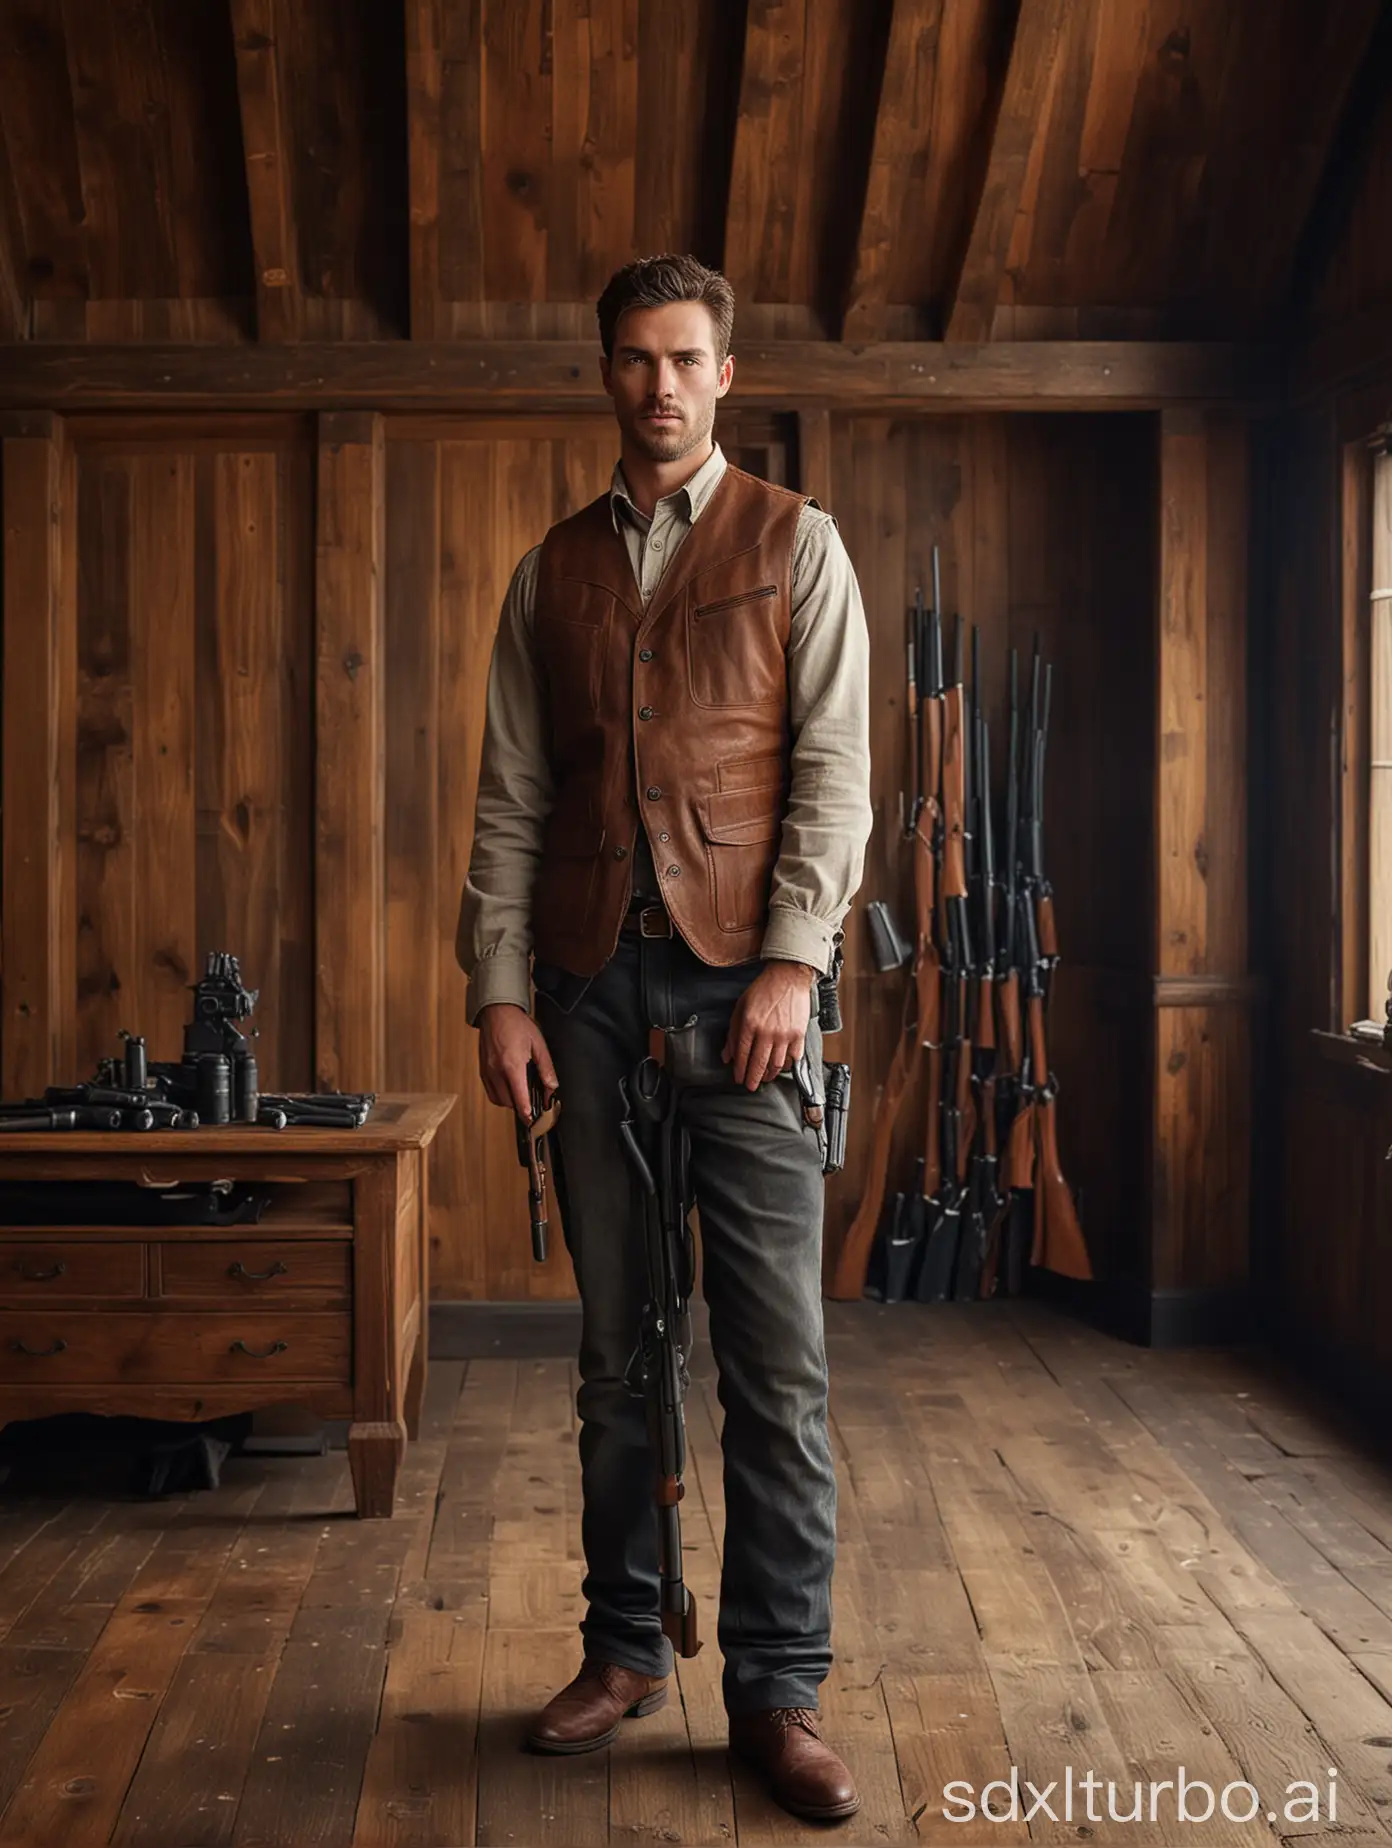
{"x": 918, "y": 1023}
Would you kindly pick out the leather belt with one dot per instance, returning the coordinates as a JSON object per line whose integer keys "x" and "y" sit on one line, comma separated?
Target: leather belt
{"x": 647, "y": 921}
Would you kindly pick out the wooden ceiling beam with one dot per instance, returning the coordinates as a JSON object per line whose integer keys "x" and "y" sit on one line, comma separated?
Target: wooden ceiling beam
{"x": 903, "y": 122}
{"x": 555, "y": 375}
{"x": 270, "y": 192}
{"x": 1028, "y": 79}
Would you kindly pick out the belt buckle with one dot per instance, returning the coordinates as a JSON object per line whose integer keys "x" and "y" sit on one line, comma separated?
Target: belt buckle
{"x": 653, "y": 921}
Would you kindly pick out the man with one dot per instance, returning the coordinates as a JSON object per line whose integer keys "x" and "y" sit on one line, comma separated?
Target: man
{"x": 672, "y": 815}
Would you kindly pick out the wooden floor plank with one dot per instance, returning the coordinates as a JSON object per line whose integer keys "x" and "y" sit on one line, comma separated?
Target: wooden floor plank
{"x": 1055, "y": 1550}
{"x": 420, "y": 1788}
{"x": 528, "y": 1799}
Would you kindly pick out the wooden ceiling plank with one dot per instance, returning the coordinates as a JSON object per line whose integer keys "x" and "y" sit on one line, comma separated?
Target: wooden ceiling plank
{"x": 121, "y": 120}
{"x": 270, "y": 192}
{"x": 14, "y": 306}
{"x": 1028, "y": 80}
{"x": 1116, "y": 68}
{"x": 607, "y": 203}
{"x": 500, "y": 375}
{"x": 759, "y": 217}
{"x": 672, "y": 41}
{"x": 36, "y": 108}
{"x": 1305, "y": 152}
{"x": 902, "y": 146}
{"x": 424, "y": 133}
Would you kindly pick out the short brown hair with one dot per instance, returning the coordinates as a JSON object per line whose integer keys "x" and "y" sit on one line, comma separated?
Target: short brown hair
{"x": 650, "y": 281}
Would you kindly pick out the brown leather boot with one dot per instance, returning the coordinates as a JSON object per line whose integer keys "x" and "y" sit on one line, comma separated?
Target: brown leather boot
{"x": 586, "y": 1713}
{"x": 804, "y": 1775}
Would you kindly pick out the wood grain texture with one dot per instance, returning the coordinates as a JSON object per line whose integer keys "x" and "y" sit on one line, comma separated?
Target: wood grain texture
{"x": 350, "y": 704}
{"x": 1203, "y": 1064}
{"x": 492, "y": 376}
{"x": 265, "y": 144}
{"x": 1023, "y": 106}
{"x": 37, "y": 1037}
{"x": 903, "y": 142}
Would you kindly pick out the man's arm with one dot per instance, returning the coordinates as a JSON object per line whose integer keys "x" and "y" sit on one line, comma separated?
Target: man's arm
{"x": 822, "y": 852}
{"x": 829, "y": 816}
{"x": 494, "y": 936}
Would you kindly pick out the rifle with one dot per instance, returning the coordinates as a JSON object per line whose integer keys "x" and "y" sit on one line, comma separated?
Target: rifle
{"x": 1058, "y": 1243}
{"x": 533, "y": 1153}
{"x": 658, "y": 1147}
{"x": 918, "y": 1025}
{"x": 985, "y": 1203}
{"x": 951, "y": 1111}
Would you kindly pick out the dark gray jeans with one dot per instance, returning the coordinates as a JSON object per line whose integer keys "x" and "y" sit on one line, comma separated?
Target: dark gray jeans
{"x": 758, "y": 1183}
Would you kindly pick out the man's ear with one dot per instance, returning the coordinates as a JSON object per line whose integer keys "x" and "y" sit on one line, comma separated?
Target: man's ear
{"x": 727, "y": 373}
{"x": 606, "y": 373}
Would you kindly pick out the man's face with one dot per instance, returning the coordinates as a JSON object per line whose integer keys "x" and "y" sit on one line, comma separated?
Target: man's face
{"x": 664, "y": 379}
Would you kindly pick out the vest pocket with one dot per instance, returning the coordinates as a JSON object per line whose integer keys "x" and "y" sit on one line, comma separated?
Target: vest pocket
{"x": 742, "y": 829}
{"x": 572, "y": 650}
{"x": 734, "y": 653}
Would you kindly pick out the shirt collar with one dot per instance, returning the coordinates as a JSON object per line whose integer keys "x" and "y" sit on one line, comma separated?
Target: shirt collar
{"x": 690, "y": 498}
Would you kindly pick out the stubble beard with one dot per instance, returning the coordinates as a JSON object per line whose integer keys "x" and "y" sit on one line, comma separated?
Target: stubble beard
{"x": 672, "y": 445}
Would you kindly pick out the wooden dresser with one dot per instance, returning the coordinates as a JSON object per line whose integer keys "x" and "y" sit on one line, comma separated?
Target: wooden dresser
{"x": 323, "y": 1302}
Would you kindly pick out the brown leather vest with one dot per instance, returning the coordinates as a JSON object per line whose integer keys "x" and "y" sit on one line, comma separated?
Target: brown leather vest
{"x": 695, "y": 691}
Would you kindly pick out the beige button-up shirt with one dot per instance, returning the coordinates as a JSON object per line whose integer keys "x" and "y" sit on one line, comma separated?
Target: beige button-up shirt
{"x": 827, "y": 824}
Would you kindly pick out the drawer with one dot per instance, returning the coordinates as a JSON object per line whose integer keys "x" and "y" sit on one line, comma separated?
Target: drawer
{"x": 231, "y": 1271}
{"x": 70, "y": 1267}
{"x": 62, "y": 1348}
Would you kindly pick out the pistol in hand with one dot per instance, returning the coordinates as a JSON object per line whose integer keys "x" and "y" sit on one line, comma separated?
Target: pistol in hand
{"x": 533, "y": 1154}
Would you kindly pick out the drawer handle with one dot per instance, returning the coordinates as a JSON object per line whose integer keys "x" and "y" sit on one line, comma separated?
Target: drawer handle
{"x": 59, "y": 1344}
{"x": 32, "y": 1273}
{"x": 276, "y": 1347}
{"x": 240, "y": 1270}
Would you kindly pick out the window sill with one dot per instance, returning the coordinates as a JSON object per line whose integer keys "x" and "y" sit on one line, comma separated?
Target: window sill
{"x": 1344, "y": 1049}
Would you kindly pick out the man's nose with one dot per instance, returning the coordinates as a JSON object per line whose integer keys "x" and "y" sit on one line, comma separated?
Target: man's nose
{"x": 665, "y": 379}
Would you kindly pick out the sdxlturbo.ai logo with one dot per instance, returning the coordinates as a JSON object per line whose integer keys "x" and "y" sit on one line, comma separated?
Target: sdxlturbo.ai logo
{"x": 1194, "y": 1800}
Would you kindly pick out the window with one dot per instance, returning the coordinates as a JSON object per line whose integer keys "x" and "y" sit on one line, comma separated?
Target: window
{"x": 1380, "y": 739}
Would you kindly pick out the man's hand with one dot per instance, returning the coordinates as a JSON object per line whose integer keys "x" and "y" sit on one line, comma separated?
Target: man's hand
{"x": 769, "y": 1023}
{"x": 508, "y": 1038}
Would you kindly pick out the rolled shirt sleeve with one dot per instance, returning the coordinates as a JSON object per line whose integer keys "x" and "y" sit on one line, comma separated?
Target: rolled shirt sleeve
{"x": 493, "y": 940}
{"x": 829, "y": 815}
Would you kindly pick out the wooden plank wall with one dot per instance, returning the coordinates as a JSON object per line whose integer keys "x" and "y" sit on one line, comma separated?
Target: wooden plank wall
{"x": 1200, "y": 1175}
{"x": 194, "y": 822}
{"x": 212, "y": 700}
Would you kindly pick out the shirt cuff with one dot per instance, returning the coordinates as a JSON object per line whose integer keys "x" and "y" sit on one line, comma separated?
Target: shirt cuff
{"x": 796, "y": 936}
{"x": 499, "y": 978}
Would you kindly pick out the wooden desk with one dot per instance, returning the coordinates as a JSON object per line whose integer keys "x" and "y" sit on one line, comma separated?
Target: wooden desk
{"x": 323, "y": 1302}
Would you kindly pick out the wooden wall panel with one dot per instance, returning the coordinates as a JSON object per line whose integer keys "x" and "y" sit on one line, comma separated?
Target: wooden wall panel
{"x": 193, "y": 792}
{"x": 1200, "y": 1226}
{"x": 254, "y": 751}
{"x": 350, "y": 745}
{"x": 39, "y": 915}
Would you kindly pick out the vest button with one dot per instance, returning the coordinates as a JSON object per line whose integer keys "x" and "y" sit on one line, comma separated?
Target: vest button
{"x": 664, "y": 836}
{"x": 654, "y": 794}
{"x": 645, "y": 712}
{"x": 621, "y": 853}
{"x": 645, "y": 654}
{"x": 674, "y": 872}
